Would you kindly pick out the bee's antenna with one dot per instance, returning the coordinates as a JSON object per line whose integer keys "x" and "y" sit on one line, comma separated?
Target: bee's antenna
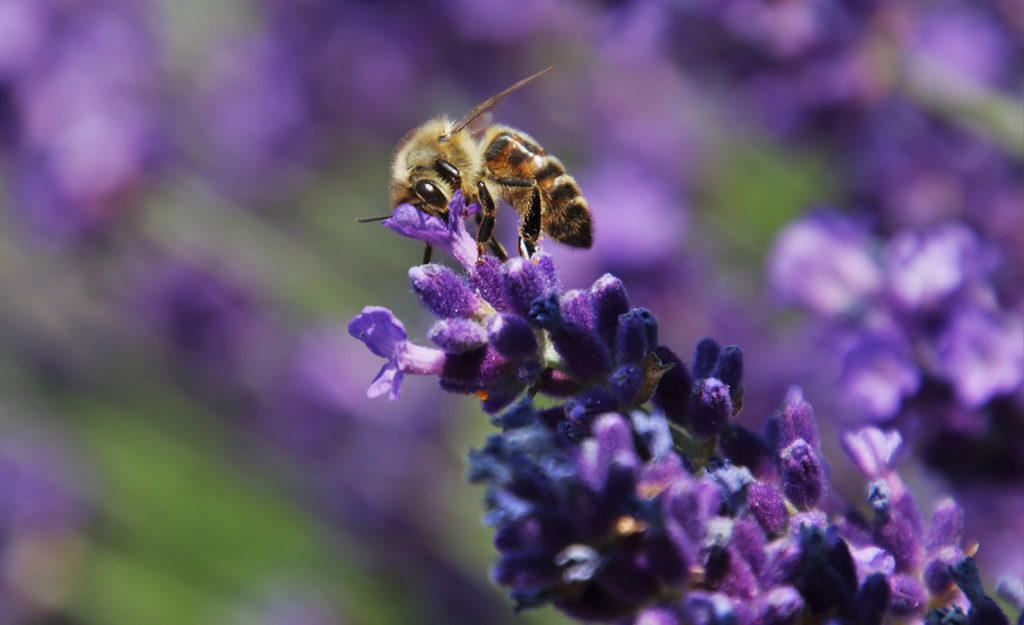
{"x": 489, "y": 103}
{"x": 366, "y": 220}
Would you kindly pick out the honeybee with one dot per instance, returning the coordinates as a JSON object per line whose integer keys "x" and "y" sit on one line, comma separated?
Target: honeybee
{"x": 488, "y": 162}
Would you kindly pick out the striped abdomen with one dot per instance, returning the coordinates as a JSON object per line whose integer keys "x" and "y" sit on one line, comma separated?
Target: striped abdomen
{"x": 515, "y": 162}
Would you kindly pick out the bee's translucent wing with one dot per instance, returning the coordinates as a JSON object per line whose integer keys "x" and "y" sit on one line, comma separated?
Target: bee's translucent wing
{"x": 479, "y": 111}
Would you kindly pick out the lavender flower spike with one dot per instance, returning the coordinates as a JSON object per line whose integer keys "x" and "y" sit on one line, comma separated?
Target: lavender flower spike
{"x": 385, "y": 336}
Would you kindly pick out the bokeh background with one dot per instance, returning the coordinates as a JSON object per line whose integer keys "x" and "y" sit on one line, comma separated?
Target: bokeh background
{"x": 184, "y": 432}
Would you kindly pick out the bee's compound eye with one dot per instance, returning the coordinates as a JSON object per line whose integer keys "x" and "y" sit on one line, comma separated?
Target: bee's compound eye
{"x": 430, "y": 193}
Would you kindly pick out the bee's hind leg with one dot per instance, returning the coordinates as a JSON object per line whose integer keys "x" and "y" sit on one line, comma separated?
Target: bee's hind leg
{"x": 485, "y": 229}
{"x": 529, "y": 231}
{"x": 428, "y": 253}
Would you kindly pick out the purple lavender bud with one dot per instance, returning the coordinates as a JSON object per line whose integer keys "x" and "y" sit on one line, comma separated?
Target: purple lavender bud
{"x": 637, "y": 334}
{"x": 457, "y": 335}
{"x": 793, "y": 420}
{"x": 768, "y": 507}
{"x": 584, "y": 354}
{"x": 733, "y": 481}
{"x": 526, "y": 572}
{"x": 525, "y": 281}
{"x": 747, "y": 449}
{"x": 901, "y": 538}
{"x": 947, "y": 528}
{"x": 727, "y": 571}
{"x": 673, "y": 393}
{"x": 907, "y": 595}
{"x": 710, "y": 408}
{"x": 802, "y": 474}
{"x": 748, "y": 541}
{"x": 546, "y": 266}
{"x": 782, "y": 605}
{"x": 828, "y": 578}
{"x": 544, "y": 312}
{"x": 511, "y": 336}
{"x": 878, "y": 371}
{"x": 625, "y": 384}
{"x": 581, "y": 409}
{"x": 610, "y": 300}
{"x": 489, "y": 281}
{"x": 936, "y": 571}
{"x": 729, "y": 367}
{"x": 628, "y": 578}
{"x": 872, "y": 600}
{"x": 705, "y": 357}
{"x": 612, "y": 442}
{"x": 442, "y": 292}
{"x": 691, "y": 504}
{"x": 578, "y": 307}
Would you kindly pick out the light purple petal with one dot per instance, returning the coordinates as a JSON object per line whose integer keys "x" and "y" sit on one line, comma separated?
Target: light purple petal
{"x": 824, "y": 263}
{"x": 982, "y": 355}
{"x": 877, "y": 373}
{"x": 871, "y": 449}
{"x": 452, "y": 237}
{"x": 378, "y": 327}
{"x": 388, "y": 380}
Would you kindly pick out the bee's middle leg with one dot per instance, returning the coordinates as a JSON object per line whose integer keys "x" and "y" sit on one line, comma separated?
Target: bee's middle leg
{"x": 529, "y": 231}
{"x": 485, "y": 225}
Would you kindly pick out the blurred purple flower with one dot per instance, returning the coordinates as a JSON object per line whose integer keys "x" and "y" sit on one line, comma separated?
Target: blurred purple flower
{"x": 88, "y": 119}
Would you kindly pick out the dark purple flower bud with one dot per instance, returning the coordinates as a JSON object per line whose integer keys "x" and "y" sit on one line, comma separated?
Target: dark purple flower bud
{"x": 729, "y": 368}
{"x": 802, "y": 474}
{"x": 609, "y": 297}
{"x": 637, "y": 334}
{"x": 673, "y": 393}
{"x": 500, "y": 395}
{"x": 936, "y": 570}
{"x": 489, "y": 281}
{"x": 947, "y": 528}
{"x": 511, "y": 336}
{"x": 527, "y": 572}
{"x": 457, "y": 335}
{"x": 872, "y": 600}
{"x": 584, "y": 354}
{"x": 705, "y": 357}
{"x": 793, "y": 420}
{"x": 984, "y": 610}
{"x": 828, "y": 578}
{"x": 578, "y": 307}
{"x": 725, "y": 570}
{"x": 625, "y": 383}
{"x": 628, "y": 578}
{"x": 782, "y": 605}
{"x": 442, "y": 292}
{"x": 907, "y": 596}
{"x": 768, "y": 507}
{"x": 747, "y": 449}
{"x": 525, "y": 281}
{"x": 582, "y": 409}
{"x": 544, "y": 312}
{"x": 710, "y": 408}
